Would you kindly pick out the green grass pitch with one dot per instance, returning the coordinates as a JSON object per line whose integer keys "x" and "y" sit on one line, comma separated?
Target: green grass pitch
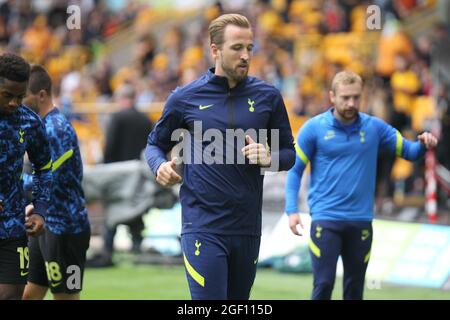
{"x": 148, "y": 282}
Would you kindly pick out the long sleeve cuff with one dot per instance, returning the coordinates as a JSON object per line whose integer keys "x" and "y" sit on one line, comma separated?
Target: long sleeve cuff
{"x": 285, "y": 157}
{"x": 40, "y": 208}
{"x": 154, "y": 157}
{"x": 413, "y": 150}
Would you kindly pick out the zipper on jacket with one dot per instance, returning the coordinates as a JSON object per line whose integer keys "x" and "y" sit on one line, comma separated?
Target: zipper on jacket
{"x": 342, "y": 128}
{"x": 230, "y": 111}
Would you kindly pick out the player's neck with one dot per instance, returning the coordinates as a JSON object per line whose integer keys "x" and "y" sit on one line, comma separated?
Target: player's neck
{"x": 219, "y": 72}
{"x": 46, "y": 108}
{"x": 231, "y": 83}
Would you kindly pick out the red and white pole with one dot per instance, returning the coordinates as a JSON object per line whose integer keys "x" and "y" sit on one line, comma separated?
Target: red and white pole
{"x": 431, "y": 186}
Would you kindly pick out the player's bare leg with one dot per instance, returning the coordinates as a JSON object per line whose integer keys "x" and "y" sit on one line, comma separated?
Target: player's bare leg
{"x": 66, "y": 296}
{"x": 34, "y": 292}
{"x": 11, "y": 291}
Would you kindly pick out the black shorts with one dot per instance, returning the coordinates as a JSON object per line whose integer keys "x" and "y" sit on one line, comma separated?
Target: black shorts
{"x": 57, "y": 261}
{"x": 14, "y": 260}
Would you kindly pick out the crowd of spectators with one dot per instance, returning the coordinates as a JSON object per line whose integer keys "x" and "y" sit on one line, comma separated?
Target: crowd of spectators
{"x": 299, "y": 46}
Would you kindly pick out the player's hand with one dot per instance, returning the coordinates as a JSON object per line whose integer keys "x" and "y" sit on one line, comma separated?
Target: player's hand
{"x": 428, "y": 140}
{"x": 256, "y": 153}
{"x": 294, "y": 221}
{"x": 28, "y": 211}
{"x": 34, "y": 224}
{"x": 166, "y": 174}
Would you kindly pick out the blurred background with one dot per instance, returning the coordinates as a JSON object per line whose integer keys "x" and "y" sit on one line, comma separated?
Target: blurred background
{"x": 117, "y": 54}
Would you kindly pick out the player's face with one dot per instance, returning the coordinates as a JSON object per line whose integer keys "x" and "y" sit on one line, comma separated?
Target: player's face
{"x": 346, "y": 100}
{"x": 31, "y": 100}
{"x": 233, "y": 58}
{"x": 11, "y": 95}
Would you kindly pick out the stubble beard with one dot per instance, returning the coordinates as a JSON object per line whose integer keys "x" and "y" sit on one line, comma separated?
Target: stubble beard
{"x": 232, "y": 74}
{"x": 344, "y": 115}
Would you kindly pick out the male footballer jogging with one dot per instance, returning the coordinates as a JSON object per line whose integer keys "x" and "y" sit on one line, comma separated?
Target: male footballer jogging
{"x": 342, "y": 145}
{"x": 222, "y": 200}
{"x": 21, "y": 130}
{"x": 57, "y": 257}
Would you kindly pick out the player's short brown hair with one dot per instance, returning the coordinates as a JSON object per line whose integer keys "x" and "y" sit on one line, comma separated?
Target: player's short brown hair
{"x": 345, "y": 77}
{"x": 216, "y": 28}
{"x": 39, "y": 80}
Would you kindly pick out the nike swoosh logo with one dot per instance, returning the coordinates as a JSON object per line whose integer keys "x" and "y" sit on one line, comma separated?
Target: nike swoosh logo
{"x": 205, "y": 107}
{"x": 55, "y": 284}
{"x": 365, "y": 234}
{"x": 23, "y": 274}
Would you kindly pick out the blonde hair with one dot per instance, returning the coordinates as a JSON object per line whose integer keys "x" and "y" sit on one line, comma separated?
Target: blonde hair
{"x": 216, "y": 28}
{"x": 345, "y": 77}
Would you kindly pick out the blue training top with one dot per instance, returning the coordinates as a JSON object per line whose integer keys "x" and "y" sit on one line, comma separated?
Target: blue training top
{"x": 222, "y": 198}
{"x": 67, "y": 211}
{"x": 20, "y": 132}
{"x": 343, "y": 165}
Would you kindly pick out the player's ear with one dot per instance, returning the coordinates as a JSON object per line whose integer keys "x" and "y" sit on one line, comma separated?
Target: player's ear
{"x": 214, "y": 49}
{"x": 332, "y": 96}
{"x": 42, "y": 94}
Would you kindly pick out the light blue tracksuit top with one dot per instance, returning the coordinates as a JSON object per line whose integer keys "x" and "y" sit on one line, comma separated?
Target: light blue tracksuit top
{"x": 343, "y": 165}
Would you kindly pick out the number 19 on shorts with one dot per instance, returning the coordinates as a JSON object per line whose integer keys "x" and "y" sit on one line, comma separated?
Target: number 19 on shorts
{"x": 23, "y": 255}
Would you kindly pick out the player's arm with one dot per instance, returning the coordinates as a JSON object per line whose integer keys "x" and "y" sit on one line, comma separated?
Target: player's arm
{"x": 27, "y": 181}
{"x": 159, "y": 142}
{"x": 304, "y": 149}
{"x": 279, "y": 121}
{"x": 392, "y": 139}
{"x": 63, "y": 142}
{"x": 40, "y": 157}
